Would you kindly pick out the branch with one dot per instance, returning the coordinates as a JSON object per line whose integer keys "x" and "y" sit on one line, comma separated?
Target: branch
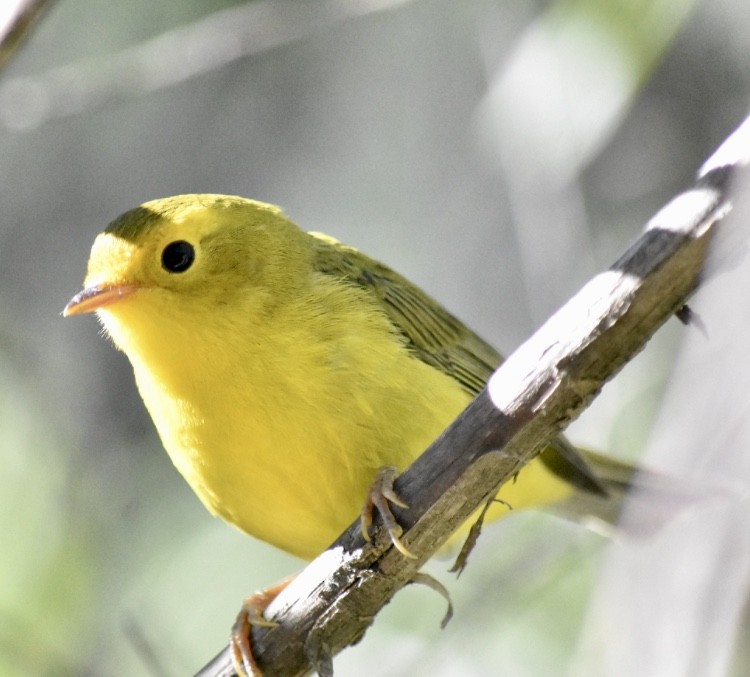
{"x": 529, "y": 400}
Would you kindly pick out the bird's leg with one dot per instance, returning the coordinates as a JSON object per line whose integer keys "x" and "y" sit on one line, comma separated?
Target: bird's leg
{"x": 378, "y": 498}
{"x": 251, "y": 614}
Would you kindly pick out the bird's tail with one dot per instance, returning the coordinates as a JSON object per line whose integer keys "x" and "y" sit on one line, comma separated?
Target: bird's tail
{"x": 653, "y": 498}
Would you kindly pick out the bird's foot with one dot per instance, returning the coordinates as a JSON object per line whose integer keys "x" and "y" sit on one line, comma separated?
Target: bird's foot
{"x": 380, "y": 496}
{"x": 251, "y": 614}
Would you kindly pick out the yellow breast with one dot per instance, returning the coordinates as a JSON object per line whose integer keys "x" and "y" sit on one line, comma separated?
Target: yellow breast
{"x": 282, "y": 436}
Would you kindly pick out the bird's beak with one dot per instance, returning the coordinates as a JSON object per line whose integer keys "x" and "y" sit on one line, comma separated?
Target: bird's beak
{"x": 97, "y": 297}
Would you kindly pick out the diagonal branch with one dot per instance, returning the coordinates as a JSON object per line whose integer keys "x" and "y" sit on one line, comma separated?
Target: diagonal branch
{"x": 534, "y": 395}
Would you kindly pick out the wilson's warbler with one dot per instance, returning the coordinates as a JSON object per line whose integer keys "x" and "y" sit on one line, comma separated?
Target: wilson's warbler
{"x": 282, "y": 368}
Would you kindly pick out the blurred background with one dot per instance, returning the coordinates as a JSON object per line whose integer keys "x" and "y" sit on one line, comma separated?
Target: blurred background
{"x": 497, "y": 152}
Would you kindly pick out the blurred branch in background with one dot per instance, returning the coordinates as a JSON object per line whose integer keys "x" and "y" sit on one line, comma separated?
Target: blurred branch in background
{"x": 553, "y": 104}
{"x": 172, "y": 57}
{"x": 17, "y": 19}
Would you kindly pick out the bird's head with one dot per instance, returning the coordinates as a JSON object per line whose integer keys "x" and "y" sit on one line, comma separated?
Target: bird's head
{"x": 186, "y": 260}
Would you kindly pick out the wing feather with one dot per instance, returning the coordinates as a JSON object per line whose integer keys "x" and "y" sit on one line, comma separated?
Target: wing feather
{"x": 439, "y": 339}
{"x": 431, "y": 333}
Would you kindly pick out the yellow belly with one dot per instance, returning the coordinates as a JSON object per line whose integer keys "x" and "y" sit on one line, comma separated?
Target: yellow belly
{"x": 285, "y": 442}
{"x": 294, "y": 468}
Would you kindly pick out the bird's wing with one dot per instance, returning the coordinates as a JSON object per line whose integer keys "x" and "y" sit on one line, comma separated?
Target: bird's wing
{"x": 431, "y": 333}
{"x": 439, "y": 339}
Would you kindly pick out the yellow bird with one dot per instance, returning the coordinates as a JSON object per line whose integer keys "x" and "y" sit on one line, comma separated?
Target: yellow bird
{"x": 283, "y": 369}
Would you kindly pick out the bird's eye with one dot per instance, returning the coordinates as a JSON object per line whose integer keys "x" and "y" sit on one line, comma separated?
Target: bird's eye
{"x": 178, "y": 256}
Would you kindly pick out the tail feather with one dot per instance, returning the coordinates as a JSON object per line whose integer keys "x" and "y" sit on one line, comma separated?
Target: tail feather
{"x": 653, "y": 499}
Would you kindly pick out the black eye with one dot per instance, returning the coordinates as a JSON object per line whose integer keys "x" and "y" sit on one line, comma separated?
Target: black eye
{"x": 178, "y": 256}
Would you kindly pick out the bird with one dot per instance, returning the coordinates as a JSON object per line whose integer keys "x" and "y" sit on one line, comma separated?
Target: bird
{"x": 283, "y": 370}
